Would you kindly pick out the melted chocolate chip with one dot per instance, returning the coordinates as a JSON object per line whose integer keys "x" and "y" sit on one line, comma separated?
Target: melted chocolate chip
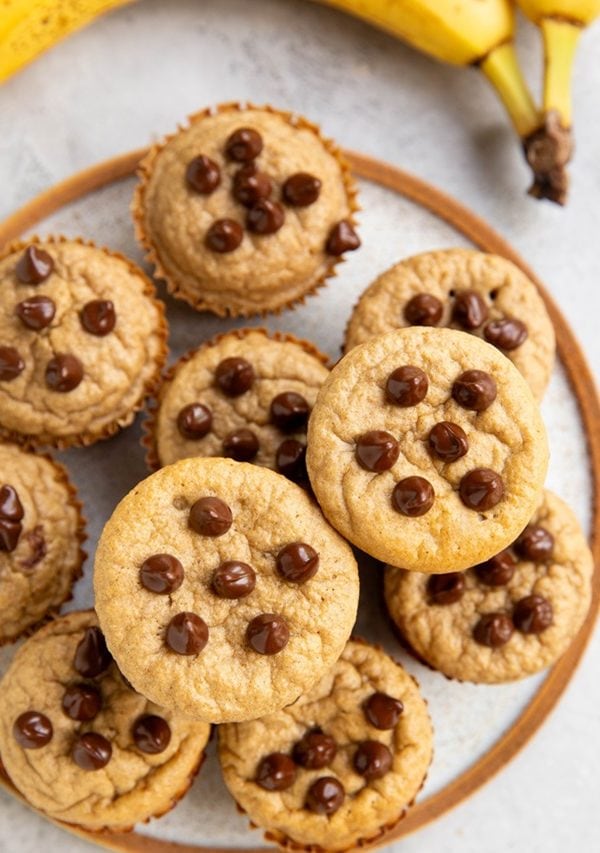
{"x": 151, "y": 734}
{"x": 82, "y": 702}
{"x": 470, "y": 310}
{"x": 161, "y": 573}
{"x": 10, "y": 533}
{"x": 34, "y": 265}
{"x": 91, "y": 655}
{"x": 233, "y": 579}
{"x": 413, "y": 496}
{"x": 224, "y": 235}
{"x": 11, "y": 507}
{"x": 290, "y": 460}
{"x": 301, "y": 189}
{"x": 202, "y": 175}
{"x": 505, "y": 334}
{"x": 98, "y": 317}
{"x": 36, "y": 313}
{"x": 186, "y": 634}
{"x": 268, "y": 634}
{"x": 37, "y": 546}
{"x": 406, "y": 386}
{"x": 536, "y": 544}
{"x": 32, "y": 730}
{"x": 276, "y": 772}
{"x": 372, "y": 759}
{"x": 297, "y": 562}
{"x": 91, "y": 751}
{"x": 446, "y": 589}
{"x": 265, "y": 217}
{"x": 498, "y": 570}
{"x": 493, "y": 630}
{"x": 210, "y": 517}
{"x": 194, "y": 421}
{"x": 315, "y": 750}
{"x": 325, "y": 796}
{"x": 64, "y": 372}
{"x": 243, "y": 145}
{"x": 377, "y": 451}
{"x": 251, "y": 186}
{"x": 234, "y": 376}
{"x": 383, "y": 711}
{"x": 448, "y": 441}
{"x": 289, "y": 411}
{"x": 481, "y": 489}
{"x": 533, "y": 614}
{"x": 423, "y": 310}
{"x": 11, "y": 364}
{"x": 474, "y": 389}
{"x": 342, "y": 238}
{"x": 241, "y": 445}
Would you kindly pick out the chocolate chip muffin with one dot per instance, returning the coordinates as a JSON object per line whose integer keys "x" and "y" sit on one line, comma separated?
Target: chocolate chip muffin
{"x": 222, "y": 591}
{"x": 508, "y": 617}
{"x": 79, "y": 744}
{"x": 41, "y": 533}
{"x": 245, "y": 395}
{"x": 482, "y": 294}
{"x": 82, "y": 342}
{"x": 426, "y": 449}
{"x": 340, "y": 765}
{"x": 246, "y": 210}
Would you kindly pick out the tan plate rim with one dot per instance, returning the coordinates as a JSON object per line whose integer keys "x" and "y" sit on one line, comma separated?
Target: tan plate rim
{"x": 582, "y": 383}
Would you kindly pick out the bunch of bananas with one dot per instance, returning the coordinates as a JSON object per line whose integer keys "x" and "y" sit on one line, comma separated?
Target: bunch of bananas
{"x": 478, "y": 33}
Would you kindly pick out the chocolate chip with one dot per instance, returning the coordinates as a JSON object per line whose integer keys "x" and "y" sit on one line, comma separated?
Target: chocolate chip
{"x": 533, "y": 614}
{"x": 289, "y": 411}
{"x": 448, "y": 441}
{"x": 234, "y": 376}
{"x": 10, "y": 532}
{"x": 32, "y": 730}
{"x": 446, "y": 588}
{"x": 233, "y": 579}
{"x": 34, "y": 265}
{"x": 11, "y": 507}
{"x": 224, "y": 235}
{"x": 423, "y": 310}
{"x": 186, "y": 634}
{"x": 372, "y": 759}
{"x": 36, "y": 313}
{"x": 498, "y": 570}
{"x": 406, "y": 386}
{"x": 161, "y": 573}
{"x": 202, "y": 175}
{"x": 315, "y": 750}
{"x": 493, "y": 630}
{"x": 297, "y": 562}
{"x": 64, "y": 372}
{"x": 82, "y": 702}
{"x": 377, "y": 450}
{"x": 251, "y": 185}
{"x": 535, "y": 543}
{"x": 243, "y": 145}
{"x": 474, "y": 389}
{"x": 413, "y": 496}
{"x": 210, "y": 517}
{"x": 301, "y": 189}
{"x": 91, "y": 655}
{"x": 37, "y": 545}
{"x": 98, "y": 317}
{"x": 290, "y": 460}
{"x": 505, "y": 334}
{"x": 276, "y": 772}
{"x": 383, "y": 711}
{"x": 481, "y": 489}
{"x": 91, "y": 751}
{"x": 151, "y": 734}
{"x": 470, "y": 310}
{"x": 265, "y": 217}
{"x": 342, "y": 238}
{"x": 268, "y": 634}
{"x": 194, "y": 421}
{"x": 325, "y": 796}
{"x": 11, "y": 364}
{"x": 241, "y": 445}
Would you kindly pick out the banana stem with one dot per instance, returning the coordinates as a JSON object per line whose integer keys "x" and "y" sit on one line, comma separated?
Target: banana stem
{"x": 501, "y": 68}
{"x": 560, "y": 41}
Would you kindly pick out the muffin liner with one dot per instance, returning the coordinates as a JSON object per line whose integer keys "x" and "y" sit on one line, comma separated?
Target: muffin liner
{"x": 84, "y": 439}
{"x": 144, "y": 173}
{"x": 149, "y": 425}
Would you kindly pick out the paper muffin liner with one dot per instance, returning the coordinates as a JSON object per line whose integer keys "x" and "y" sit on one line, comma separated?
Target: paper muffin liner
{"x": 88, "y": 437}
{"x": 153, "y": 404}
{"x": 144, "y": 173}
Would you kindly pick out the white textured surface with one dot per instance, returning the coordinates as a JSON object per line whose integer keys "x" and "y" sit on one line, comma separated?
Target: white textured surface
{"x": 136, "y": 73}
